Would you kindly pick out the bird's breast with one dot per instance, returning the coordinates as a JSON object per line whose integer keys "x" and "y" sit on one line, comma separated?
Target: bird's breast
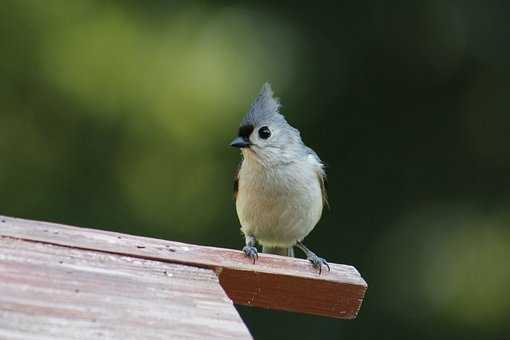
{"x": 279, "y": 205}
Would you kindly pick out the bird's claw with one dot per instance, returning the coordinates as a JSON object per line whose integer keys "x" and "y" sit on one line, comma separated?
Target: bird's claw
{"x": 318, "y": 262}
{"x": 251, "y": 252}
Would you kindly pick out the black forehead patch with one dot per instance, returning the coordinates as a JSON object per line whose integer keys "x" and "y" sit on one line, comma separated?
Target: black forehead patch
{"x": 245, "y": 131}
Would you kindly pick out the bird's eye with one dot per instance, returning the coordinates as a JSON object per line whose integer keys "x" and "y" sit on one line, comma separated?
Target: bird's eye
{"x": 264, "y": 132}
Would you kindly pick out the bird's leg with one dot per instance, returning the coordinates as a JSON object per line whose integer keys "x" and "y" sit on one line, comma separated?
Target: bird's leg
{"x": 316, "y": 261}
{"x": 250, "y": 249}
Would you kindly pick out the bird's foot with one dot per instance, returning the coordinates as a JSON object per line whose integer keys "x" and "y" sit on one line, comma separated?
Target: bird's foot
{"x": 318, "y": 262}
{"x": 251, "y": 252}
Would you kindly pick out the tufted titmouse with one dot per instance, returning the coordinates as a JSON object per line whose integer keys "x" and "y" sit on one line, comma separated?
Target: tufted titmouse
{"x": 279, "y": 188}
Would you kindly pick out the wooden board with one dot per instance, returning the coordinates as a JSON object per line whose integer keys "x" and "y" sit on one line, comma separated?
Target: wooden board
{"x": 54, "y": 292}
{"x": 273, "y": 282}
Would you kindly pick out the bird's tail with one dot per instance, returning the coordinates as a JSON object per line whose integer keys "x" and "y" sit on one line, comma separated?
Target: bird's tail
{"x": 279, "y": 251}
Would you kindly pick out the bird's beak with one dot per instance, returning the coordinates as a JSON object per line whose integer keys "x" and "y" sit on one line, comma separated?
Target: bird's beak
{"x": 240, "y": 142}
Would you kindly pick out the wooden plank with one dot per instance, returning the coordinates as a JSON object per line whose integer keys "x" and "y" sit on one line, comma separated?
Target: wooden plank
{"x": 273, "y": 282}
{"x": 54, "y": 292}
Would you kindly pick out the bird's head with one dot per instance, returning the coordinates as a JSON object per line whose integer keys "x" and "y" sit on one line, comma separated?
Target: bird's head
{"x": 264, "y": 134}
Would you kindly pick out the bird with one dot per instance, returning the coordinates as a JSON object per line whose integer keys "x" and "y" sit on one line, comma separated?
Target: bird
{"x": 280, "y": 184}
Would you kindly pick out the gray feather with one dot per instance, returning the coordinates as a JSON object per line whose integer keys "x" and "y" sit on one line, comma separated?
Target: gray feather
{"x": 321, "y": 174}
{"x": 265, "y": 107}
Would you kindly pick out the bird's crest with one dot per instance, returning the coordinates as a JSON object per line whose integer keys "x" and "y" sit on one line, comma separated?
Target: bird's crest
{"x": 263, "y": 108}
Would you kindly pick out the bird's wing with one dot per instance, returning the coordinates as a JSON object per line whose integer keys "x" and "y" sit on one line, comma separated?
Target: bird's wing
{"x": 236, "y": 180}
{"x": 321, "y": 175}
{"x": 323, "y": 182}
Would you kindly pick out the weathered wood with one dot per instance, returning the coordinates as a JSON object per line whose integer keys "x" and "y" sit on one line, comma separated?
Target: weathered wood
{"x": 54, "y": 292}
{"x": 273, "y": 282}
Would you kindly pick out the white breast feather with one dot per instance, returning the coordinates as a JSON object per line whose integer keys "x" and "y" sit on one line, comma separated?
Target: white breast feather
{"x": 281, "y": 205}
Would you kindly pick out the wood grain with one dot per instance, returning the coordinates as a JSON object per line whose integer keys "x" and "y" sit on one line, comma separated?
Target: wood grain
{"x": 54, "y": 292}
{"x": 273, "y": 282}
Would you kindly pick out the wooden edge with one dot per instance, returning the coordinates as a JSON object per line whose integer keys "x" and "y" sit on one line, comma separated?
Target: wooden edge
{"x": 274, "y": 282}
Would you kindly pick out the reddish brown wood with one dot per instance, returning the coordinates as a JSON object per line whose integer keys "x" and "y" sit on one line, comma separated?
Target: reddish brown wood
{"x": 273, "y": 282}
{"x": 292, "y": 293}
{"x": 55, "y": 292}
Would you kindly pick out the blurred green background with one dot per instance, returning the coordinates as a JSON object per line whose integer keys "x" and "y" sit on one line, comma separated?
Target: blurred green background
{"x": 118, "y": 115}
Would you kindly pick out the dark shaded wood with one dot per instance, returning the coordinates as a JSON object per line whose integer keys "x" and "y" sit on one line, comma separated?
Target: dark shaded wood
{"x": 273, "y": 282}
{"x": 55, "y": 292}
